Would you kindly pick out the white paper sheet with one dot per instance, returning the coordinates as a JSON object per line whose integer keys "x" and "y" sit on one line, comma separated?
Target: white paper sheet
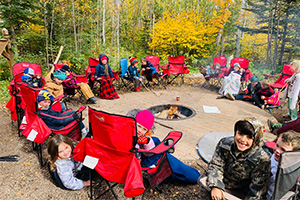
{"x": 90, "y": 162}
{"x": 211, "y": 109}
{"x": 32, "y": 135}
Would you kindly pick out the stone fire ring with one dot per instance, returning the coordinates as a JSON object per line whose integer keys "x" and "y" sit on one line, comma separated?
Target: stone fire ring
{"x": 186, "y": 111}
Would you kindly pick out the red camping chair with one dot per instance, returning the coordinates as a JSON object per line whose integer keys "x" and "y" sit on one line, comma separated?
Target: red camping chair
{"x": 15, "y": 104}
{"x": 112, "y": 151}
{"x": 247, "y": 74}
{"x": 155, "y": 60}
{"x": 70, "y": 92}
{"x": 90, "y": 72}
{"x": 287, "y": 72}
{"x": 34, "y": 128}
{"x": 210, "y": 78}
{"x": 175, "y": 69}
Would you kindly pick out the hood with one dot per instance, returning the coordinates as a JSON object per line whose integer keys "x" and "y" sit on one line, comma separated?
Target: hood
{"x": 23, "y": 77}
{"x": 101, "y": 55}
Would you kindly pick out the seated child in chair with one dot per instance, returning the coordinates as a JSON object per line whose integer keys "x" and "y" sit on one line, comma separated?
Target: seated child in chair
{"x": 239, "y": 163}
{"x": 261, "y": 95}
{"x": 85, "y": 88}
{"x": 288, "y": 141}
{"x": 132, "y": 74}
{"x": 148, "y": 69}
{"x": 251, "y": 89}
{"x": 70, "y": 172}
{"x": 181, "y": 172}
{"x": 31, "y": 79}
{"x": 55, "y": 119}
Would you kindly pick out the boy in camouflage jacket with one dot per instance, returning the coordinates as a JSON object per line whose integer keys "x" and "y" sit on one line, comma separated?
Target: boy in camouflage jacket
{"x": 240, "y": 163}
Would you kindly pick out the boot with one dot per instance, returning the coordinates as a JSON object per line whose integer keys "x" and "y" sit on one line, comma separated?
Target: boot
{"x": 138, "y": 89}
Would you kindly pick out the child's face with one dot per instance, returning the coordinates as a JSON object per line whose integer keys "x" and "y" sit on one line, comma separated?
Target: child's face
{"x": 280, "y": 148}
{"x": 45, "y": 103}
{"x": 104, "y": 62}
{"x": 236, "y": 68}
{"x": 263, "y": 86}
{"x": 254, "y": 84}
{"x": 58, "y": 81}
{"x": 141, "y": 130}
{"x": 243, "y": 142}
{"x": 144, "y": 63}
{"x": 135, "y": 64}
{"x": 64, "y": 151}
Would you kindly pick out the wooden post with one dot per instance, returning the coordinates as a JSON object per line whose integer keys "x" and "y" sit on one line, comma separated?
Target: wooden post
{"x": 58, "y": 55}
{"x": 5, "y": 49}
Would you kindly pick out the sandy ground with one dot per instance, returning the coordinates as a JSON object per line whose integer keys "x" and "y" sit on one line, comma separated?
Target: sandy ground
{"x": 26, "y": 180}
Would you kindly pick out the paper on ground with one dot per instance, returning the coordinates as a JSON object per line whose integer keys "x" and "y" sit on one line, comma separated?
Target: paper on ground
{"x": 211, "y": 109}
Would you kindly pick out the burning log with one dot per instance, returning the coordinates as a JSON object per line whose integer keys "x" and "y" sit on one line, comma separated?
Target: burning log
{"x": 171, "y": 113}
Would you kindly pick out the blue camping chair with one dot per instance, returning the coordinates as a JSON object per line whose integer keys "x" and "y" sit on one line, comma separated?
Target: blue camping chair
{"x": 124, "y": 80}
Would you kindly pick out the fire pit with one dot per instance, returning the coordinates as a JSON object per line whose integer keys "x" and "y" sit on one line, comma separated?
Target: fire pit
{"x": 171, "y": 112}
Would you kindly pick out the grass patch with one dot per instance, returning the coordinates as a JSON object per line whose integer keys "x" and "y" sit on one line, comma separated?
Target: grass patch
{"x": 4, "y": 94}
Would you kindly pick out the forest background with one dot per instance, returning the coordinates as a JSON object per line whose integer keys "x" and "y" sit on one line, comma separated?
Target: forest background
{"x": 264, "y": 31}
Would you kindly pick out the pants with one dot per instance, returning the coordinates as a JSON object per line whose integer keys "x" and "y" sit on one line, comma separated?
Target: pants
{"x": 137, "y": 82}
{"x": 258, "y": 101}
{"x": 244, "y": 97}
{"x": 86, "y": 90}
{"x": 292, "y": 113}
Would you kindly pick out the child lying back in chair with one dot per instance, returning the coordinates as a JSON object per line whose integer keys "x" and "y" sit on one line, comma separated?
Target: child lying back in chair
{"x": 55, "y": 119}
{"x": 180, "y": 172}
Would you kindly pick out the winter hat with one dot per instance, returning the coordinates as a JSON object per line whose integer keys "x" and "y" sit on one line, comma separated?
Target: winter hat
{"x": 60, "y": 74}
{"x": 237, "y": 65}
{"x": 29, "y": 71}
{"x": 145, "y": 118}
{"x": 45, "y": 95}
{"x": 217, "y": 65}
{"x": 254, "y": 79}
{"x": 66, "y": 68}
{"x": 103, "y": 58}
{"x": 132, "y": 60}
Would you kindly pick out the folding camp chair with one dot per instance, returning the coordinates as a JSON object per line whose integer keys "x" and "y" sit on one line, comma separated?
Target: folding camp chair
{"x": 15, "y": 104}
{"x": 90, "y": 72}
{"x": 215, "y": 78}
{"x": 34, "y": 128}
{"x": 157, "y": 80}
{"x": 70, "y": 92}
{"x": 287, "y": 176}
{"x": 175, "y": 69}
{"x": 124, "y": 81}
{"x": 287, "y": 72}
{"x": 112, "y": 151}
{"x": 247, "y": 74}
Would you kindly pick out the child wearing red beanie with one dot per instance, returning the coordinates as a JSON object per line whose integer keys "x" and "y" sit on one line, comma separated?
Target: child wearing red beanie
{"x": 133, "y": 74}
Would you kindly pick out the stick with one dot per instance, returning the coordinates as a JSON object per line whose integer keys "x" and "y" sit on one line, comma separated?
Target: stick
{"x": 164, "y": 125}
{"x": 58, "y": 55}
{"x": 149, "y": 89}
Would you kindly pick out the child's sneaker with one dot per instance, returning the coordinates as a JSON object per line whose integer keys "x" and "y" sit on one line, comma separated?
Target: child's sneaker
{"x": 230, "y": 96}
{"x": 272, "y": 126}
{"x": 84, "y": 132}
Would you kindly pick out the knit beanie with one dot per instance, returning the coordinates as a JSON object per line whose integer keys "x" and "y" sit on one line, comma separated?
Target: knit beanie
{"x": 45, "y": 95}
{"x": 66, "y": 68}
{"x": 132, "y": 60}
{"x": 145, "y": 118}
{"x": 60, "y": 74}
{"x": 103, "y": 58}
{"x": 237, "y": 65}
{"x": 254, "y": 79}
{"x": 29, "y": 71}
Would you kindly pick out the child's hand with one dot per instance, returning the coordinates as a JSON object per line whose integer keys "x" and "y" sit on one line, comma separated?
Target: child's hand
{"x": 148, "y": 68}
{"x": 143, "y": 140}
{"x": 263, "y": 97}
{"x": 143, "y": 69}
{"x": 86, "y": 183}
{"x": 217, "y": 194}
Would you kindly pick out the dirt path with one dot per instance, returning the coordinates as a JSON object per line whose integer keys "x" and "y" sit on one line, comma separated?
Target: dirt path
{"x": 26, "y": 180}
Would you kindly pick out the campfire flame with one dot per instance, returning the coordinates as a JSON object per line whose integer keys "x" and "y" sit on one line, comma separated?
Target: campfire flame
{"x": 171, "y": 113}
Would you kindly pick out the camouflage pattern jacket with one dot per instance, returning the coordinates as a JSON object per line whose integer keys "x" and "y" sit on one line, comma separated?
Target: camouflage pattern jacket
{"x": 247, "y": 171}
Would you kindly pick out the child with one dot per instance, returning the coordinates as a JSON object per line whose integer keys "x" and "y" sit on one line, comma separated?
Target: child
{"x": 134, "y": 75}
{"x": 104, "y": 75}
{"x": 148, "y": 69}
{"x": 54, "y": 80}
{"x": 251, "y": 89}
{"x": 181, "y": 172}
{"x": 85, "y": 88}
{"x": 30, "y": 78}
{"x": 69, "y": 171}
{"x": 55, "y": 119}
{"x": 292, "y": 90}
{"x": 240, "y": 163}
{"x": 261, "y": 95}
{"x": 288, "y": 141}
{"x": 231, "y": 83}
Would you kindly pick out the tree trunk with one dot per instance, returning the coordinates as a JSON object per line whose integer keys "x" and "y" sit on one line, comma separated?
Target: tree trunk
{"x": 51, "y": 30}
{"x": 118, "y": 28}
{"x": 46, "y": 33}
{"x": 103, "y": 23}
{"x": 283, "y": 40}
{"x": 274, "y": 61}
{"x": 74, "y": 26}
{"x": 270, "y": 32}
{"x": 222, "y": 46}
{"x": 239, "y": 32}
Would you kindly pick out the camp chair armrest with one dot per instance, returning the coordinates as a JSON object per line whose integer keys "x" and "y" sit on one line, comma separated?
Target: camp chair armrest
{"x": 82, "y": 108}
{"x": 269, "y": 75}
{"x": 59, "y": 98}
